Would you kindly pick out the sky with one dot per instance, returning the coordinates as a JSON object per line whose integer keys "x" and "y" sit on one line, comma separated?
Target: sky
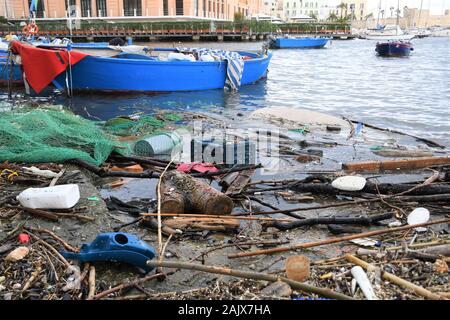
{"x": 436, "y": 6}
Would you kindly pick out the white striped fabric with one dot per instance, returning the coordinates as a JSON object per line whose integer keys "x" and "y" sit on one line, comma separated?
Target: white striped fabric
{"x": 235, "y": 64}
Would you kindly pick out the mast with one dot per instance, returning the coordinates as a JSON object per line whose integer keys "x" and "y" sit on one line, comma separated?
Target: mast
{"x": 398, "y": 16}
{"x": 420, "y": 13}
{"x": 379, "y": 11}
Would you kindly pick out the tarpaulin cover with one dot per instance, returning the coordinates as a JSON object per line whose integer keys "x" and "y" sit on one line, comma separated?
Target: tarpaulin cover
{"x": 41, "y": 66}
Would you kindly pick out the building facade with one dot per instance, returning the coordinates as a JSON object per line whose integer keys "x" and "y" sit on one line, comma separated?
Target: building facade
{"x": 273, "y": 8}
{"x": 58, "y": 9}
{"x": 319, "y": 9}
{"x": 357, "y": 9}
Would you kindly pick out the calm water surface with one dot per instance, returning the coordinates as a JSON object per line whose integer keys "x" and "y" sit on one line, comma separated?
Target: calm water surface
{"x": 408, "y": 94}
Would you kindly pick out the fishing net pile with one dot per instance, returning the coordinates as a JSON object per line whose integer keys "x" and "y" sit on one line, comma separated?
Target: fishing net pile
{"x": 58, "y": 135}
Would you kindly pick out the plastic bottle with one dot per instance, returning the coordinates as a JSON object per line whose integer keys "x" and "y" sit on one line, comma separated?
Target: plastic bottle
{"x": 58, "y": 197}
{"x": 159, "y": 144}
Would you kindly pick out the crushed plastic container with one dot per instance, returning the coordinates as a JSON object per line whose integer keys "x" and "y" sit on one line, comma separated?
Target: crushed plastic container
{"x": 58, "y": 197}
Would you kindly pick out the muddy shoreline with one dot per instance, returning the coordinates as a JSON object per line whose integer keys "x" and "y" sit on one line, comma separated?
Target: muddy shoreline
{"x": 309, "y": 146}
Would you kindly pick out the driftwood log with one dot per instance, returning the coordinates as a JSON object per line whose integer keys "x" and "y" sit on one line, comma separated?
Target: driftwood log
{"x": 196, "y": 223}
{"x": 181, "y": 193}
{"x": 382, "y": 188}
{"x": 331, "y": 220}
{"x": 403, "y": 164}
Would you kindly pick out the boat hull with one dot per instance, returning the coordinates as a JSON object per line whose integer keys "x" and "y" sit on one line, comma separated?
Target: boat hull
{"x": 5, "y": 72}
{"x": 300, "y": 43}
{"x": 394, "y": 49}
{"x": 146, "y": 75}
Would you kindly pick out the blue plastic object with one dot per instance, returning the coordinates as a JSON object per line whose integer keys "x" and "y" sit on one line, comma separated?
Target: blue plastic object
{"x": 115, "y": 246}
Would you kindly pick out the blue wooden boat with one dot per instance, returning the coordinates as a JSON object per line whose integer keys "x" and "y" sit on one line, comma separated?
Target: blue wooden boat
{"x": 140, "y": 73}
{"x": 301, "y": 43}
{"x": 394, "y": 49}
{"x": 5, "y": 72}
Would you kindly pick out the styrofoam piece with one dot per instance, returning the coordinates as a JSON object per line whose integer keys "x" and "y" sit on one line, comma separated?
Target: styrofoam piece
{"x": 365, "y": 242}
{"x": 349, "y": 183}
{"x": 419, "y": 215}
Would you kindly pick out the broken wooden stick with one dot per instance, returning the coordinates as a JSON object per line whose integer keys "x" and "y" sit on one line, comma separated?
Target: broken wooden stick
{"x": 126, "y": 285}
{"x": 251, "y": 275}
{"x": 101, "y": 172}
{"x": 40, "y": 213}
{"x": 396, "y": 280}
{"x": 336, "y": 240}
{"x": 214, "y": 216}
{"x": 403, "y": 164}
{"x": 54, "y": 236}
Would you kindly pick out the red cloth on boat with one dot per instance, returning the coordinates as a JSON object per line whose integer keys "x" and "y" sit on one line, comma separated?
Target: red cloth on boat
{"x": 41, "y": 66}
{"x": 197, "y": 166}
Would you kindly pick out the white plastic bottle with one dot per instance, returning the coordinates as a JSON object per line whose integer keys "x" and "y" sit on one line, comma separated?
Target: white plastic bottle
{"x": 58, "y": 197}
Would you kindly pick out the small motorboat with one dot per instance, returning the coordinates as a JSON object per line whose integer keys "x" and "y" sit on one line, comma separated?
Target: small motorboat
{"x": 394, "y": 49}
{"x": 390, "y": 32}
{"x": 300, "y": 43}
{"x": 143, "y": 72}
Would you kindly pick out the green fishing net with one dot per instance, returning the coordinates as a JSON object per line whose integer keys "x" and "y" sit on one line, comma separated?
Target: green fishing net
{"x": 50, "y": 135}
{"x": 58, "y": 135}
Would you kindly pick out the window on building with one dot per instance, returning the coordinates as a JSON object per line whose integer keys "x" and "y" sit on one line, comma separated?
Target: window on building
{"x": 166, "y": 7}
{"x": 71, "y": 7}
{"x": 101, "y": 8}
{"x": 179, "y": 10}
{"x": 39, "y": 10}
{"x": 132, "y": 8}
{"x": 86, "y": 8}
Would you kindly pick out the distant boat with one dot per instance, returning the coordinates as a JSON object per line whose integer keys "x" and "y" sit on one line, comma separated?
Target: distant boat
{"x": 420, "y": 32}
{"x": 301, "y": 43}
{"x": 135, "y": 72}
{"x": 394, "y": 49}
{"x": 389, "y": 32}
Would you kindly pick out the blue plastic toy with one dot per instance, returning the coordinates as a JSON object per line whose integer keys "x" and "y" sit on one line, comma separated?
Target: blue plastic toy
{"x": 115, "y": 246}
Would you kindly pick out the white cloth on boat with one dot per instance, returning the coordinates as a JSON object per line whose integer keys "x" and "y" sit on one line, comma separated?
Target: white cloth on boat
{"x": 206, "y": 58}
{"x": 132, "y": 49}
{"x": 3, "y": 46}
{"x": 180, "y": 57}
{"x": 235, "y": 63}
